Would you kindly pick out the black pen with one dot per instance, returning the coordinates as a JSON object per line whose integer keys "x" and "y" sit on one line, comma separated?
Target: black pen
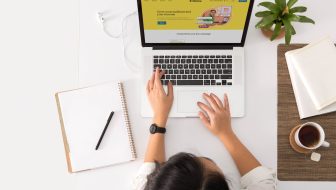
{"x": 105, "y": 128}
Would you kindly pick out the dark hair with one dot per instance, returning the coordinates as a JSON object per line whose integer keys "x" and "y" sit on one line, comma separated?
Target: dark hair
{"x": 185, "y": 171}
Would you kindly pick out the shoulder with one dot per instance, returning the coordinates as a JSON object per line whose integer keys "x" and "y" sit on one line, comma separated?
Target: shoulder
{"x": 140, "y": 180}
{"x": 260, "y": 178}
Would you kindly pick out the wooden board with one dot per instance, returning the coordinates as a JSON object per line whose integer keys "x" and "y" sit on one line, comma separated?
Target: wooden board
{"x": 293, "y": 166}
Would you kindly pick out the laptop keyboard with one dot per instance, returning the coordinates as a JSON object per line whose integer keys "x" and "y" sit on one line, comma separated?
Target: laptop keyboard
{"x": 195, "y": 69}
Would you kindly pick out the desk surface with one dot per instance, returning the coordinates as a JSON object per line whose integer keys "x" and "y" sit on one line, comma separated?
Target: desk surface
{"x": 39, "y": 58}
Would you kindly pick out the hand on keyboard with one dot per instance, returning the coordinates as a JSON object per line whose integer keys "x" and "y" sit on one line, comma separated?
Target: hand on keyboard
{"x": 160, "y": 101}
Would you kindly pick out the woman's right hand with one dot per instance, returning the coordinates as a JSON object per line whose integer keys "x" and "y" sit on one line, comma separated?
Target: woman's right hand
{"x": 216, "y": 117}
{"x": 160, "y": 101}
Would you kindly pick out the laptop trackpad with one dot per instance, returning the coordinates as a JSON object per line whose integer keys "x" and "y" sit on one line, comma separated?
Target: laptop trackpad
{"x": 187, "y": 101}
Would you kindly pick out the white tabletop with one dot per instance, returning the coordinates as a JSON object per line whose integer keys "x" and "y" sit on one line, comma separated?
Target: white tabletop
{"x": 39, "y": 56}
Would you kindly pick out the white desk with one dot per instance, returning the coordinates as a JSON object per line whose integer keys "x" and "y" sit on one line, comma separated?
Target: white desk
{"x": 39, "y": 41}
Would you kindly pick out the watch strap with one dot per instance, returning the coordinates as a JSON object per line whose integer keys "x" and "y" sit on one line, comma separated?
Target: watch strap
{"x": 161, "y": 130}
{"x": 156, "y": 129}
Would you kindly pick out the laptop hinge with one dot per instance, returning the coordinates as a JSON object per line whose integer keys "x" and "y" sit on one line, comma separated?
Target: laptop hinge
{"x": 205, "y": 47}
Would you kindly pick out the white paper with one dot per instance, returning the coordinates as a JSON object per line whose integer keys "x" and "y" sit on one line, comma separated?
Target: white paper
{"x": 304, "y": 103}
{"x": 316, "y": 66}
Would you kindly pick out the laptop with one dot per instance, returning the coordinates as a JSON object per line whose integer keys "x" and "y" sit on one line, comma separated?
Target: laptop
{"x": 200, "y": 46}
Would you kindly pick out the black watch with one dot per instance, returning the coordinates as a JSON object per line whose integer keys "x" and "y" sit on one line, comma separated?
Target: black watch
{"x": 156, "y": 129}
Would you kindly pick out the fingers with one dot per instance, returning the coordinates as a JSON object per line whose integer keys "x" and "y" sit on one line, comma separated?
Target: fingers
{"x": 162, "y": 73}
{"x": 147, "y": 87}
{"x": 155, "y": 82}
{"x": 218, "y": 101}
{"x": 226, "y": 102}
{"x": 211, "y": 101}
{"x": 151, "y": 81}
{"x": 170, "y": 90}
{"x": 157, "y": 79}
{"x": 158, "y": 74}
{"x": 204, "y": 119}
{"x": 205, "y": 108}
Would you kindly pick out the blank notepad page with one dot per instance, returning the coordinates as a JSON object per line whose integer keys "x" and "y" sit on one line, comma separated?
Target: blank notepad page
{"x": 85, "y": 113}
{"x": 316, "y": 66}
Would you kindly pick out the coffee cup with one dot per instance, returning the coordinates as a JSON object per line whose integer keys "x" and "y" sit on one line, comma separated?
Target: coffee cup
{"x": 310, "y": 136}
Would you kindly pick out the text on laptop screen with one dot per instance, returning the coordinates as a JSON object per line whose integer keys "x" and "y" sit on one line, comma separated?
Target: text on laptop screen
{"x": 194, "y": 21}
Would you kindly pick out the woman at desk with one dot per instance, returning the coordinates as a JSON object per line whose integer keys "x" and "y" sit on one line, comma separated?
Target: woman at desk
{"x": 185, "y": 171}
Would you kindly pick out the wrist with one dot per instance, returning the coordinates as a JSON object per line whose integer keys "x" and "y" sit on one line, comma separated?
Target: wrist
{"x": 160, "y": 121}
{"x": 229, "y": 134}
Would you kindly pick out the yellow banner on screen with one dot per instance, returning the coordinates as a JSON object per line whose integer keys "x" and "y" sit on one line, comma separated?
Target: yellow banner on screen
{"x": 194, "y": 14}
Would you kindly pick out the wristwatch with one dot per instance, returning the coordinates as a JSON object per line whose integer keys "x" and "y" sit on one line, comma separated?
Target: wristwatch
{"x": 156, "y": 129}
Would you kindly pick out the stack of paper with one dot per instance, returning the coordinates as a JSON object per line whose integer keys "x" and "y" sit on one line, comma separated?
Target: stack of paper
{"x": 313, "y": 74}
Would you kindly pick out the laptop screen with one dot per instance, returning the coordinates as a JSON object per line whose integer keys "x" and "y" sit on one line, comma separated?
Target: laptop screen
{"x": 194, "y": 21}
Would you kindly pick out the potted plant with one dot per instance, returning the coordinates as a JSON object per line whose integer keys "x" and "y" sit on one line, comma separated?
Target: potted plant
{"x": 276, "y": 21}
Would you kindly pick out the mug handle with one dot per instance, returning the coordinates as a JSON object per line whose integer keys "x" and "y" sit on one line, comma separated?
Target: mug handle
{"x": 325, "y": 144}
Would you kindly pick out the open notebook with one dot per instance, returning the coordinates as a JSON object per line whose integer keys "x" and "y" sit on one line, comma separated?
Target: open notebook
{"x": 83, "y": 114}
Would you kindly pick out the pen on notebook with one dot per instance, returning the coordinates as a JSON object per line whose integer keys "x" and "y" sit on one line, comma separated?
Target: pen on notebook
{"x": 105, "y": 128}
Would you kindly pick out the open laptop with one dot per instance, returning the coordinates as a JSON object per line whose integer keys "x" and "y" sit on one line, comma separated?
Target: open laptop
{"x": 199, "y": 44}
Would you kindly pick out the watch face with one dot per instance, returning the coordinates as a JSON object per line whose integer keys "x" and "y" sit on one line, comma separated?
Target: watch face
{"x": 152, "y": 129}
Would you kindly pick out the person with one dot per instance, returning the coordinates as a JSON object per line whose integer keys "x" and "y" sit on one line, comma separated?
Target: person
{"x": 185, "y": 171}
{"x": 212, "y": 13}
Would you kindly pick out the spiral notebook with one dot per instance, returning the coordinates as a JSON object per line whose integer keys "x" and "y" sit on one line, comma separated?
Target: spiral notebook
{"x": 83, "y": 114}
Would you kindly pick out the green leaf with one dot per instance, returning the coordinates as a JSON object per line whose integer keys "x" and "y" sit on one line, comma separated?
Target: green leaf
{"x": 281, "y": 3}
{"x": 271, "y": 6}
{"x": 290, "y": 3}
{"x": 276, "y": 31}
{"x": 288, "y": 26}
{"x": 259, "y": 23}
{"x": 263, "y": 13}
{"x": 305, "y": 19}
{"x": 269, "y": 25}
{"x": 298, "y": 9}
{"x": 267, "y": 20}
{"x": 292, "y": 17}
{"x": 288, "y": 37}
{"x": 289, "y": 31}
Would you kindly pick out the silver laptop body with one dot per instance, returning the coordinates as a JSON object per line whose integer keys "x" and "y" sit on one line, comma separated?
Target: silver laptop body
{"x": 194, "y": 65}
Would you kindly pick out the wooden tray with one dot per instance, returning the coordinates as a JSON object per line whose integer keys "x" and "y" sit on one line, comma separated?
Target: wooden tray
{"x": 294, "y": 166}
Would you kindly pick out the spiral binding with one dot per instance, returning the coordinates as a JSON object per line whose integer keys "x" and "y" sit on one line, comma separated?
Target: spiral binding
{"x": 126, "y": 116}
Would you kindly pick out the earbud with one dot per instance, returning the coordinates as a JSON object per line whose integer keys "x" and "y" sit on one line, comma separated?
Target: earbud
{"x": 106, "y": 15}
{"x": 100, "y": 17}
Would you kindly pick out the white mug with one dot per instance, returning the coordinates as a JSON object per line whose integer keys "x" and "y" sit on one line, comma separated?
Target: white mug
{"x": 321, "y": 141}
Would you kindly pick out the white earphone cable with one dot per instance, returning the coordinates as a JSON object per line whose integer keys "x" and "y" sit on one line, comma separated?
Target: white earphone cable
{"x": 129, "y": 63}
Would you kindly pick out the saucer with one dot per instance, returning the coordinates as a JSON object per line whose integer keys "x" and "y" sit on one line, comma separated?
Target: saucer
{"x": 293, "y": 143}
